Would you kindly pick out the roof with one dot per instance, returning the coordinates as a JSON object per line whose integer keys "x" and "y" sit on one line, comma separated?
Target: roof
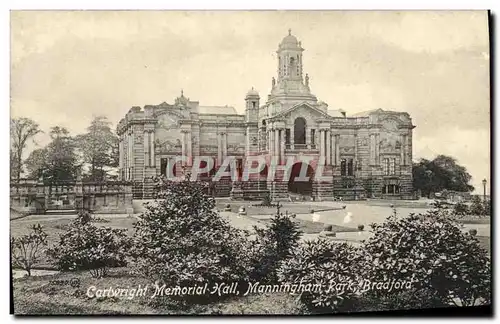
{"x": 217, "y": 110}
{"x": 335, "y": 113}
{"x": 366, "y": 113}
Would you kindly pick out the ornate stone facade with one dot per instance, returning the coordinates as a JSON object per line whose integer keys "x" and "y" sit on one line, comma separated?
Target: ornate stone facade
{"x": 367, "y": 154}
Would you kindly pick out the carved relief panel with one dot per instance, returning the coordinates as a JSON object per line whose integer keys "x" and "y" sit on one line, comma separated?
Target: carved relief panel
{"x": 390, "y": 135}
{"x": 168, "y": 136}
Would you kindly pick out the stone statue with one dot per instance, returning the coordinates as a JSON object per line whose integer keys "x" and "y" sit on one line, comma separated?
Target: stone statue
{"x": 307, "y": 80}
{"x": 274, "y": 82}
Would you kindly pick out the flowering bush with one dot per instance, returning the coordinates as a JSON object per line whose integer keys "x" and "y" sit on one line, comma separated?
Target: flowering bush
{"x": 182, "y": 240}
{"x": 27, "y": 249}
{"x": 432, "y": 250}
{"x": 326, "y": 265}
{"x": 85, "y": 246}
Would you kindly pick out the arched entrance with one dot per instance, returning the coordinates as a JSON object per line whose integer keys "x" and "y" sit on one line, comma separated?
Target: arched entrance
{"x": 296, "y": 186}
{"x": 299, "y": 131}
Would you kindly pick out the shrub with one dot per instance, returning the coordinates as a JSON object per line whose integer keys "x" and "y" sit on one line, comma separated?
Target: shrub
{"x": 85, "y": 246}
{"x": 274, "y": 244}
{"x": 487, "y": 208}
{"x": 478, "y": 207}
{"x": 473, "y": 231}
{"x": 181, "y": 240}
{"x": 431, "y": 250}
{"x": 460, "y": 209}
{"x": 27, "y": 249}
{"x": 267, "y": 201}
{"x": 361, "y": 227}
{"x": 84, "y": 216}
{"x": 396, "y": 300}
{"x": 322, "y": 264}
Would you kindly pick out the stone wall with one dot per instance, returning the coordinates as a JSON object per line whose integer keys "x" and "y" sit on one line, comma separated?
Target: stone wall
{"x": 103, "y": 198}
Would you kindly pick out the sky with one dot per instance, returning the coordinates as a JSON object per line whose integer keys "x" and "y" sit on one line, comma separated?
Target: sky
{"x": 69, "y": 66}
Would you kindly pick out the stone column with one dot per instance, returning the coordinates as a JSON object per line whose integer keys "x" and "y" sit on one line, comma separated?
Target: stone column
{"x": 377, "y": 149}
{"x": 146, "y": 148}
{"x": 328, "y": 148}
{"x": 120, "y": 150}
{"x": 277, "y": 143}
{"x": 224, "y": 145}
{"x": 321, "y": 145}
{"x": 334, "y": 148}
{"x": 403, "y": 149}
{"x": 269, "y": 141}
{"x": 372, "y": 149}
{"x": 308, "y": 137}
{"x": 356, "y": 147}
{"x": 189, "y": 148}
{"x": 131, "y": 157}
{"x": 219, "y": 149}
{"x": 282, "y": 143}
{"x": 183, "y": 152}
{"x": 292, "y": 136}
{"x": 152, "y": 152}
{"x": 337, "y": 148}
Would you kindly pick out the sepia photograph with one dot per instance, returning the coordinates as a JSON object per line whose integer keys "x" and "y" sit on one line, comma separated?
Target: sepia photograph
{"x": 276, "y": 162}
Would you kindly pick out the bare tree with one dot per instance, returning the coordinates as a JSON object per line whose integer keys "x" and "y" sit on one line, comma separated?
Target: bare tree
{"x": 21, "y": 130}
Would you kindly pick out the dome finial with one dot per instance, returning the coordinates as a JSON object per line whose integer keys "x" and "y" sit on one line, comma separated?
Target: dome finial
{"x": 289, "y": 31}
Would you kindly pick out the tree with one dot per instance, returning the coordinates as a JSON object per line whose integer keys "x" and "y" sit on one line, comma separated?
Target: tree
{"x": 273, "y": 244}
{"x": 36, "y": 162}
{"x": 433, "y": 253}
{"x": 181, "y": 240}
{"x": 441, "y": 173}
{"x": 61, "y": 160}
{"x": 99, "y": 147}
{"x": 21, "y": 130}
{"x": 27, "y": 249}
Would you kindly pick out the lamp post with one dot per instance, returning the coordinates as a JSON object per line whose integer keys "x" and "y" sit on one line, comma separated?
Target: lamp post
{"x": 484, "y": 189}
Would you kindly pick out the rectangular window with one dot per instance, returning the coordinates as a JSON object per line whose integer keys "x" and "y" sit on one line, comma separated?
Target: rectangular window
{"x": 386, "y": 166}
{"x": 392, "y": 166}
{"x": 253, "y": 104}
{"x": 313, "y": 136}
{"x": 350, "y": 168}
{"x": 343, "y": 167}
{"x": 163, "y": 166}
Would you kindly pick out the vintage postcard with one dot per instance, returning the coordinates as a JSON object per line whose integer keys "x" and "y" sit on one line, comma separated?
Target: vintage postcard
{"x": 250, "y": 162}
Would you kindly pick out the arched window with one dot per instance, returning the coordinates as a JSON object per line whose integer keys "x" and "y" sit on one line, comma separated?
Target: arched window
{"x": 299, "y": 131}
{"x": 292, "y": 66}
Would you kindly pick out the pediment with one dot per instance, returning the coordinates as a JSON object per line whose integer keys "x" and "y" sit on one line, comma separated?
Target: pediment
{"x": 303, "y": 108}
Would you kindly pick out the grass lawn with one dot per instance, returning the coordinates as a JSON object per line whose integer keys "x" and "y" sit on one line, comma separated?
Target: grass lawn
{"x": 56, "y": 225}
{"x": 36, "y": 295}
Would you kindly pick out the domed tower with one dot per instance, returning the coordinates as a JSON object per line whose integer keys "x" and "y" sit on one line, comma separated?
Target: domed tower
{"x": 252, "y": 117}
{"x": 289, "y": 58}
{"x": 252, "y": 105}
{"x": 292, "y": 86}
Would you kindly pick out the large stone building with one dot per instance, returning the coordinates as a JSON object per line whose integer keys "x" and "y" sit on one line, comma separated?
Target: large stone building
{"x": 367, "y": 154}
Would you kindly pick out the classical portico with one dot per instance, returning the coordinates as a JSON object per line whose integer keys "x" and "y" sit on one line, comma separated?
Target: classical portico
{"x": 367, "y": 154}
